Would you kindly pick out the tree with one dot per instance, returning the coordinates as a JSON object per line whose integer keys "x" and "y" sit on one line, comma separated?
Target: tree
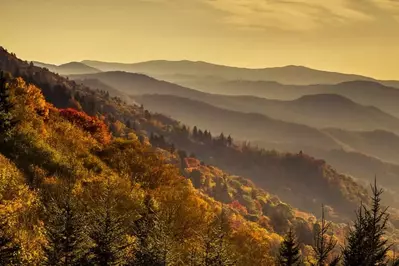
{"x": 366, "y": 245}
{"x": 229, "y": 141}
{"x": 9, "y": 250}
{"x": 7, "y": 120}
{"x": 323, "y": 245}
{"x": 216, "y": 252}
{"x": 195, "y": 132}
{"x": 289, "y": 253}
{"x": 354, "y": 252}
{"x": 66, "y": 239}
{"x": 107, "y": 231}
{"x": 377, "y": 219}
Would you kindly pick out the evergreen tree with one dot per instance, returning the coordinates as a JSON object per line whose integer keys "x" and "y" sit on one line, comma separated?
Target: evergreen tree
{"x": 377, "y": 219}
{"x": 229, "y": 141}
{"x": 146, "y": 230}
{"x": 365, "y": 242}
{"x": 9, "y": 251}
{"x": 355, "y": 251}
{"x": 323, "y": 245}
{"x": 107, "y": 231}
{"x": 289, "y": 253}
{"x": 65, "y": 233}
{"x": 216, "y": 252}
{"x": 195, "y": 132}
{"x": 7, "y": 120}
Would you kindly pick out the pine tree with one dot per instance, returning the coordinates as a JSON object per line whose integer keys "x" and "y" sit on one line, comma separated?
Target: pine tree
{"x": 365, "y": 242}
{"x": 229, "y": 141}
{"x": 9, "y": 251}
{"x": 65, "y": 233}
{"x": 216, "y": 252}
{"x": 289, "y": 253}
{"x": 195, "y": 132}
{"x": 107, "y": 231}
{"x": 147, "y": 231}
{"x": 323, "y": 245}
{"x": 7, "y": 120}
{"x": 355, "y": 251}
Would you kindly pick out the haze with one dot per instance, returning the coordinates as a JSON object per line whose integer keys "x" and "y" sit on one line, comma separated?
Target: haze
{"x": 340, "y": 35}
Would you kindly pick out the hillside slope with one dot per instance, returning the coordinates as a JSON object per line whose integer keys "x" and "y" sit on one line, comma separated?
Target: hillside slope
{"x": 69, "y": 68}
{"x": 124, "y": 118}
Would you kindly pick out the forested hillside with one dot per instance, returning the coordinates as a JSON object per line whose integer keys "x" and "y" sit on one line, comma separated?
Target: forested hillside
{"x": 91, "y": 180}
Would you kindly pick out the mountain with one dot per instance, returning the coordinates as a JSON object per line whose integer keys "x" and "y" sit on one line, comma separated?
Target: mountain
{"x": 287, "y": 75}
{"x": 244, "y": 126}
{"x": 68, "y": 68}
{"x": 319, "y": 111}
{"x": 367, "y": 93}
{"x": 380, "y": 144}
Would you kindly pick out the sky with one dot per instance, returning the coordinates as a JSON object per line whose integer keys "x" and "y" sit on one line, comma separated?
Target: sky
{"x": 351, "y": 36}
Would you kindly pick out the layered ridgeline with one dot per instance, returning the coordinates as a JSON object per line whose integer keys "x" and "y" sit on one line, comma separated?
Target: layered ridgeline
{"x": 319, "y": 111}
{"x": 277, "y": 173}
{"x": 188, "y": 70}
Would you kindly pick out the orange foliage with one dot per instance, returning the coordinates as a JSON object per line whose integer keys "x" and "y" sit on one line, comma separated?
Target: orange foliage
{"x": 93, "y": 125}
{"x": 240, "y": 208}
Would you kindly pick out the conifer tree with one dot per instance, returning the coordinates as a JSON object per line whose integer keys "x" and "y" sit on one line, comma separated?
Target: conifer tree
{"x": 323, "y": 245}
{"x": 107, "y": 231}
{"x": 215, "y": 244}
{"x": 66, "y": 239}
{"x": 365, "y": 242}
{"x": 9, "y": 250}
{"x": 146, "y": 230}
{"x": 377, "y": 218}
{"x": 355, "y": 251}
{"x": 6, "y": 119}
{"x": 289, "y": 253}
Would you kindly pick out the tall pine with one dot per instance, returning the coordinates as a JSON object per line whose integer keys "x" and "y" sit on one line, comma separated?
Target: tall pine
{"x": 107, "y": 231}
{"x": 365, "y": 243}
{"x": 289, "y": 253}
{"x": 323, "y": 243}
{"x": 7, "y": 120}
{"x": 66, "y": 238}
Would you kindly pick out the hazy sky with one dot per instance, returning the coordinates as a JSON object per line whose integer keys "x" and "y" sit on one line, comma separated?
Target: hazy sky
{"x": 358, "y": 36}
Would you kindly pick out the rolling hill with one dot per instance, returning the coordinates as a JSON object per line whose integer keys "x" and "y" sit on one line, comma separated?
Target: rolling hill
{"x": 319, "y": 111}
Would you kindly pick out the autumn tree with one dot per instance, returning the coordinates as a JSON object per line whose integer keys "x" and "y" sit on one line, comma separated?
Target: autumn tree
{"x": 289, "y": 253}
{"x": 323, "y": 243}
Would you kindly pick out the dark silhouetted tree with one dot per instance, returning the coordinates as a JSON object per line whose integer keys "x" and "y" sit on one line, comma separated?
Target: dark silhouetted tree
{"x": 323, "y": 244}
{"x": 289, "y": 253}
{"x": 9, "y": 250}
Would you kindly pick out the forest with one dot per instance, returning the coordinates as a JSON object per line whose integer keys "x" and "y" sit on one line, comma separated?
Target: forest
{"x": 88, "y": 179}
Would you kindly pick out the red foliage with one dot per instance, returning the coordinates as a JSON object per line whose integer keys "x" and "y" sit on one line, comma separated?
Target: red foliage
{"x": 93, "y": 125}
{"x": 240, "y": 208}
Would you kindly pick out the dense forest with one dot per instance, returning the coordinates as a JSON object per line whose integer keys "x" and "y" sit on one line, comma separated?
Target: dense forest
{"x": 87, "y": 179}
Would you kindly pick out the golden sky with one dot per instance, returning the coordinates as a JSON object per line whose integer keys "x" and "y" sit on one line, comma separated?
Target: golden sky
{"x": 356, "y": 36}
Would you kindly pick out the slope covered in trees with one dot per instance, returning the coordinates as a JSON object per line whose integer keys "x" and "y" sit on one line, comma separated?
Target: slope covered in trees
{"x": 277, "y": 173}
